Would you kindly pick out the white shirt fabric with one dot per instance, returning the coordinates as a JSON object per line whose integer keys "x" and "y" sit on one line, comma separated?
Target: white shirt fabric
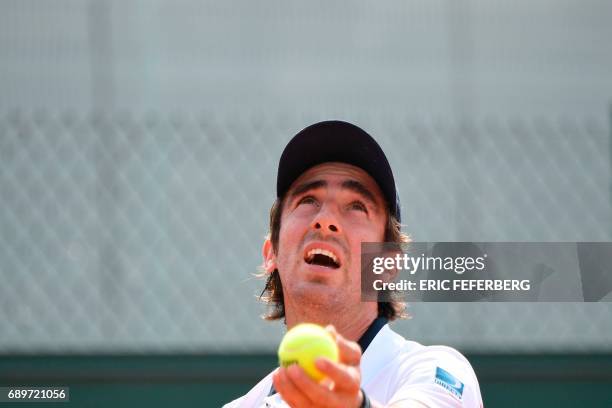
{"x": 395, "y": 370}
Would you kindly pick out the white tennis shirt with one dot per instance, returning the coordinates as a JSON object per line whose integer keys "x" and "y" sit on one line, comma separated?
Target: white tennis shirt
{"x": 393, "y": 370}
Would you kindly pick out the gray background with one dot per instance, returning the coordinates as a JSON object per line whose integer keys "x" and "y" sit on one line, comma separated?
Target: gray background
{"x": 139, "y": 141}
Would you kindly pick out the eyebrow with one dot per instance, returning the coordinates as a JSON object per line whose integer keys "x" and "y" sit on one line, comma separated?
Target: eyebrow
{"x": 352, "y": 185}
{"x": 311, "y": 185}
{"x": 360, "y": 189}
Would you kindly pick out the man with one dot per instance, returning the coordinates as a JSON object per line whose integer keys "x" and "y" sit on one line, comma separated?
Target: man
{"x": 335, "y": 190}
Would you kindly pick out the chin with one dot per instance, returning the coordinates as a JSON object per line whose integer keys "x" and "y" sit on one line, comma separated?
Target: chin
{"x": 315, "y": 292}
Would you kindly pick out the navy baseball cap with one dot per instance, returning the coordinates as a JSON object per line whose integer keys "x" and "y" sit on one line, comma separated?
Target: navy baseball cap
{"x": 337, "y": 141}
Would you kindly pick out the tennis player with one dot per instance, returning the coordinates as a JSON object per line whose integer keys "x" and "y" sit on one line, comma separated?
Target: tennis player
{"x": 335, "y": 190}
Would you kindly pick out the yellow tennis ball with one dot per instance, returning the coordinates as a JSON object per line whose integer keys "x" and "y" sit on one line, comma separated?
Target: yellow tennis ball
{"x": 303, "y": 344}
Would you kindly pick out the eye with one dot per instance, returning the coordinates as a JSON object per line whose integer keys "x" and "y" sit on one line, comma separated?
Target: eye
{"x": 307, "y": 200}
{"x": 359, "y": 206}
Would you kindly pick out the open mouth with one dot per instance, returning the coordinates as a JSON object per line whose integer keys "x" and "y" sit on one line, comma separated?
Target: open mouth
{"x": 322, "y": 257}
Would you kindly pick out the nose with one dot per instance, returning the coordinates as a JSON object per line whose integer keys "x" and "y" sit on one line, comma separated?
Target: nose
{"x": 326, "y": 221}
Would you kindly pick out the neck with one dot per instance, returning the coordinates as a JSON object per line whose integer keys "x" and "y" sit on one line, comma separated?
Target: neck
{"x": 349, "y": 325}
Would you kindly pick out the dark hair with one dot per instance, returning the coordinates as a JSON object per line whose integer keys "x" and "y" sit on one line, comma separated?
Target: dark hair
{"x": 272, "y": 293}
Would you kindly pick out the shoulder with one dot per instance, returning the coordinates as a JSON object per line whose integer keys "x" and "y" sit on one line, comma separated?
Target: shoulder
{"x": 434, "y": 375}
{"x": 255, "y": 396}
{"x": 417, "y": 355}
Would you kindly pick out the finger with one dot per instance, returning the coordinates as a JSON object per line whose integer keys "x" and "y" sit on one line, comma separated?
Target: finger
{"x": 350, "y": 352}
{"x": 290, "y": 392}
{"x": 332, "y": 330}
{"x": 318, "y": 393}
{"x": 345, "y": 377}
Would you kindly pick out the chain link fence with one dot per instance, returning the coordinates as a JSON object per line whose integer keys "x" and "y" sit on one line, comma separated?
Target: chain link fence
{"x": 139, "y": 142}
{"x": 142, "y": 232}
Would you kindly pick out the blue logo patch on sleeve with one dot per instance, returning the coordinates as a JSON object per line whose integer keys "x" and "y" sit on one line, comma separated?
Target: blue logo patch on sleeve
{"x": 449, "y": 382}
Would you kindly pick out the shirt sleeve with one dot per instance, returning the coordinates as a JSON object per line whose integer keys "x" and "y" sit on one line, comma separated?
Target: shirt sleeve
{"x": 235, "y": 403}
{"x": 255, "y": 397}
{"x": 439, "y": 377}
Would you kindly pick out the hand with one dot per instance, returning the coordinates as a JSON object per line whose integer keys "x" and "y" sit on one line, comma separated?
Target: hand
{"x": 341, "y": 388}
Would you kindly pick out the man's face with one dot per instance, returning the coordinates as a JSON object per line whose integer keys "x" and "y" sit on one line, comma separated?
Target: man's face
{"x": 327, "y": 213}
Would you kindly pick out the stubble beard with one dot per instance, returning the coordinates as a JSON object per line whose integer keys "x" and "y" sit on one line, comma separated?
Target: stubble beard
{"x": 319, "y": 302}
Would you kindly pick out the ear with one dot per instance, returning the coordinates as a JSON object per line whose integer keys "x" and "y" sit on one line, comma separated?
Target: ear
{"x": 269, "y": 258}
